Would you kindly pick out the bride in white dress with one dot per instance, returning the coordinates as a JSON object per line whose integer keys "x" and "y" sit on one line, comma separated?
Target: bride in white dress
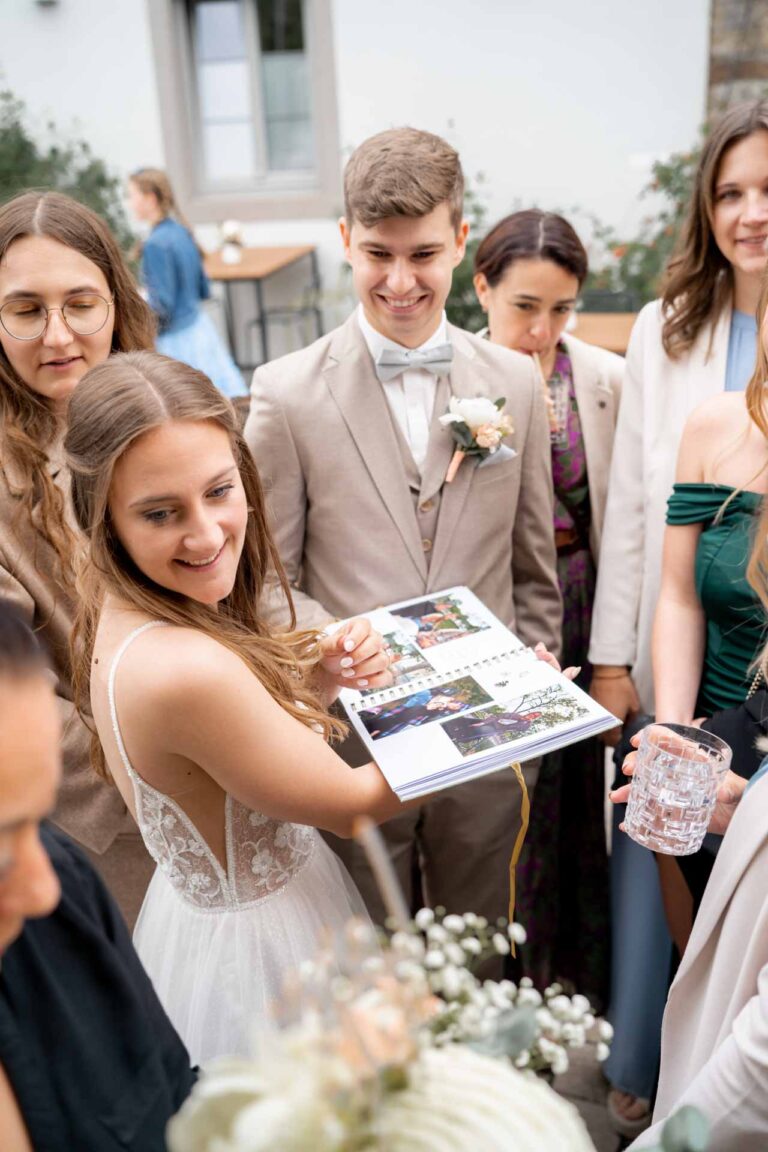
{"x": 214, "y": 729}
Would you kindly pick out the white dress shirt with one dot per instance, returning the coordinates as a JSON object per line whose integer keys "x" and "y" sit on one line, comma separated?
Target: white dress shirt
{"x": 411, "y": 395}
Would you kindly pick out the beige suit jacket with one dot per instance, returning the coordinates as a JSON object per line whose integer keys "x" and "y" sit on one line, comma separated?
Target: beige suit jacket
{"x": 714, "y": 1051}
{"x": 597, "y": 379}
{"x": 657, "y": 397}
{"x": 89, "y": 809}
{"x": 357, "y": 527}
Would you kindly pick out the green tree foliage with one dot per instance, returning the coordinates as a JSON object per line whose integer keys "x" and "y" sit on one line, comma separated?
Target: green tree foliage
{"x": 624, "y": 273}
{"x": 636, "y": 266}
{"x": 66, "y": 166}
{"x": 462, "y": 306}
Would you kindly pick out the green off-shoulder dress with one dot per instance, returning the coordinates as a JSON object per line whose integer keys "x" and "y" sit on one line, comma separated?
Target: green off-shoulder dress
{"x": 735, "y": 619}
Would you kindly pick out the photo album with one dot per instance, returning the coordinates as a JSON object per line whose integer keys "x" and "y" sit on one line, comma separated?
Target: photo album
{"x": 469, "y": 698}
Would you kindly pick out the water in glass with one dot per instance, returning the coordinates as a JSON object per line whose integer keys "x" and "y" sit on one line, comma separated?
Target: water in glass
{"x": 677, "y": 773}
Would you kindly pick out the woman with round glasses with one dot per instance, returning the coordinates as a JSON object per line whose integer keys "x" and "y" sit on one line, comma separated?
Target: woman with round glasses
{"x": 67, "y": 301}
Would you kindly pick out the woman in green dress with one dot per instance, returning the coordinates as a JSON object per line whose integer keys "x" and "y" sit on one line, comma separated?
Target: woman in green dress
{"x": 709, "y": 626}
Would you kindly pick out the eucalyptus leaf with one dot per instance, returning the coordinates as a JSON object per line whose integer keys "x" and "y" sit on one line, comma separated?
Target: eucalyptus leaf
{"x": 463, "y": 435}
{"x": 686, "y": 1131}
{"x": 515, "y": 1032}
{"x": 500, "y": 402}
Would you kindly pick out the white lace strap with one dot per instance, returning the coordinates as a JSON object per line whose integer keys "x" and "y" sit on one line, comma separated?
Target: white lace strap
{"x": 111, "y": 689}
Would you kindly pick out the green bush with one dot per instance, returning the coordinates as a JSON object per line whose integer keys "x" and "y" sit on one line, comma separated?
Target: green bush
{"x": 624, "y": 273}
{"x": 462, "y": 306}
{"x": 68, "y": 167}
{"x": 635, "y": 266}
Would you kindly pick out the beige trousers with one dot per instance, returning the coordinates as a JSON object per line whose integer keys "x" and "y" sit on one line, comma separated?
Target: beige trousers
{"x": 455, "y": 848}
{"x": 126, "y": 868}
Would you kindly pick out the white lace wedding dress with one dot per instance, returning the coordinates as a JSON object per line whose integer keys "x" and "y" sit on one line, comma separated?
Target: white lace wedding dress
{"x": 218, "y": 942}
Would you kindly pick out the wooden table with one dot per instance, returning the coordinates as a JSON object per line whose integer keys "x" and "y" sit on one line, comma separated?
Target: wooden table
{"x": 256, "y": 266}
{"x": 606, "y": 329}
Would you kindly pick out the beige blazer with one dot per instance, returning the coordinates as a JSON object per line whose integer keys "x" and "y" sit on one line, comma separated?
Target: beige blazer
{"x": 356, "y": 525}
{"x": 714, "y": 1051}
{"x": 658, "y": 395}
{"x": 597, "y": 378}
{"x": 89, "y": 809}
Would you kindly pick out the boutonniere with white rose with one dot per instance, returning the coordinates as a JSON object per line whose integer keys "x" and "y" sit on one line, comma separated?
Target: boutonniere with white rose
{"x": 478, "y": 426}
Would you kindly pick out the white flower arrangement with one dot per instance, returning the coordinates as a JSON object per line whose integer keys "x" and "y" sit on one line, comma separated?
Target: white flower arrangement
{"x": 231, "y": 237}
{"x": 366, "y": 1055}
{"x": 478, "y": 427}
{"x": 535, "y": 1029}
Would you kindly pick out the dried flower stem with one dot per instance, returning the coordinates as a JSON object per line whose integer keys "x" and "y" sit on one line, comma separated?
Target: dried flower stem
{"x": 453, "y": 467}
{"x": 368, "y": 836}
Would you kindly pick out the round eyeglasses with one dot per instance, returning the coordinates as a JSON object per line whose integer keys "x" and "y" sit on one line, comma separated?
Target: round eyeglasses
{"x": 83, "y": 314}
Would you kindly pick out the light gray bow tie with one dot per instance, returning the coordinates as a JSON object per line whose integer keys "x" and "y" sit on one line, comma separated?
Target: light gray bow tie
{"x": 390, "y": 362}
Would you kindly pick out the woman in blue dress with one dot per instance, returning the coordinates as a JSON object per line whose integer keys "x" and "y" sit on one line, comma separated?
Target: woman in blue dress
{"x": 175, "y": 282}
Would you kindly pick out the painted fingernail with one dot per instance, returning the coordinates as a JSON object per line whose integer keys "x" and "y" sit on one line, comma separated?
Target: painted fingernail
{"x": 362, "y": 683}
{"x": 350, "y": 672}
{"x": 347, "y": 662}
{"x": 349, "y": 644}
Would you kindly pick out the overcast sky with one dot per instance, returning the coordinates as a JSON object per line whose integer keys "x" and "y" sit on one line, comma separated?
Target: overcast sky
{"x": 561, "y": 102}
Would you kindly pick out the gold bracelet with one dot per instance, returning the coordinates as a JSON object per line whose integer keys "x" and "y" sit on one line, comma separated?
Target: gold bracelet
{"x": 602, "y": 676}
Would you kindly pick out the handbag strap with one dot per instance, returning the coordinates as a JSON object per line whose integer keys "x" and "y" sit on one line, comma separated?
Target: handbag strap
{"x": 755, "y": 684}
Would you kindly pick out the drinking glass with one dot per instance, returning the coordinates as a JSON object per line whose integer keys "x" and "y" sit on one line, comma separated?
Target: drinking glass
{"x": 678, "y": 771}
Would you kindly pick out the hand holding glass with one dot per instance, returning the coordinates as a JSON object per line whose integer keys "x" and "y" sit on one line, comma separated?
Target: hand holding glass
{"x": 677, "y": 773}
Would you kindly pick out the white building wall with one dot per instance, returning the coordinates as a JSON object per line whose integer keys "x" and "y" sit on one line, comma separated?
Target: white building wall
{"x": 558, "y": 103}
{"x": 87, "y": 65}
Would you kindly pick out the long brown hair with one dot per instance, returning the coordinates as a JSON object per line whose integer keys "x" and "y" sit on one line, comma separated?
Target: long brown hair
{"x": 115, "y": 404}
{"x": 28, "y": 423}
{"x": 699, "y": 280}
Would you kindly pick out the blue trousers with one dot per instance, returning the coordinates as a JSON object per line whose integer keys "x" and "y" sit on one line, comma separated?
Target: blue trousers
{"x": 640, "y": 966}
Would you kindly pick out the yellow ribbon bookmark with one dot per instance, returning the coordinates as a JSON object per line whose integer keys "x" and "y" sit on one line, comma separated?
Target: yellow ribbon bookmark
{"x": 525, "y": 811}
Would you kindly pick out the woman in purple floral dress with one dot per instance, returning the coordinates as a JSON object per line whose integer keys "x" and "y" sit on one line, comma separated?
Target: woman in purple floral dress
{"x": 528, "y": 273}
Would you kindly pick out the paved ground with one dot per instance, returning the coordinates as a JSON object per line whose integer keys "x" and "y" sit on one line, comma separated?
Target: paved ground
{"x": 583, "y": 1084}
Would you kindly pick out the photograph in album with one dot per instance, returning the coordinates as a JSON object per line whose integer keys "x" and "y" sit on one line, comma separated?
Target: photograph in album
{"x": 423, "y": 707}
{"x": 438, "y": 620}
{"x": 407, "y": 658}
{"x": 531, "y": 714}
{"x": 466, "y": 704}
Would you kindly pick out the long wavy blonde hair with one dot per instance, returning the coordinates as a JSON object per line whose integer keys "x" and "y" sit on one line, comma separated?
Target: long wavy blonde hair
{"x": 29, "y": 426}
{"x": 115, "y": 404}
{"x": 699, "y": 280}
{"x": 756, "y": 394}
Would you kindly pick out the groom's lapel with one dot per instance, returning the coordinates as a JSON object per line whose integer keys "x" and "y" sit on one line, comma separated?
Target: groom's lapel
{"x": 360, "y": 397}
{"x": 463, "y": 382}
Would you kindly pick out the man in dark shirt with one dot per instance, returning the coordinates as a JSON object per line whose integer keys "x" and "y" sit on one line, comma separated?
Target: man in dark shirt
{"x": 89, "y": 1062}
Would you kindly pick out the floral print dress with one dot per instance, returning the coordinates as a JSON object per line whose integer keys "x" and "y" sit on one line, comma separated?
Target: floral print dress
{"x": 562, "y": 876}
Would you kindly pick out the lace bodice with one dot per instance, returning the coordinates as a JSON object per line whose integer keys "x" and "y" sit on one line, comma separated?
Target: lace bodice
{"x": 263, "y": 855}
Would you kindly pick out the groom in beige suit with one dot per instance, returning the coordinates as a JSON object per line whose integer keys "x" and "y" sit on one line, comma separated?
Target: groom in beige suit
{"x": 347, "y": 438}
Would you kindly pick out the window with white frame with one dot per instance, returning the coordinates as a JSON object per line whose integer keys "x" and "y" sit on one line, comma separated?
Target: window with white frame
{"x": 248, "y": 105}
{"x": 253, "y": 90}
